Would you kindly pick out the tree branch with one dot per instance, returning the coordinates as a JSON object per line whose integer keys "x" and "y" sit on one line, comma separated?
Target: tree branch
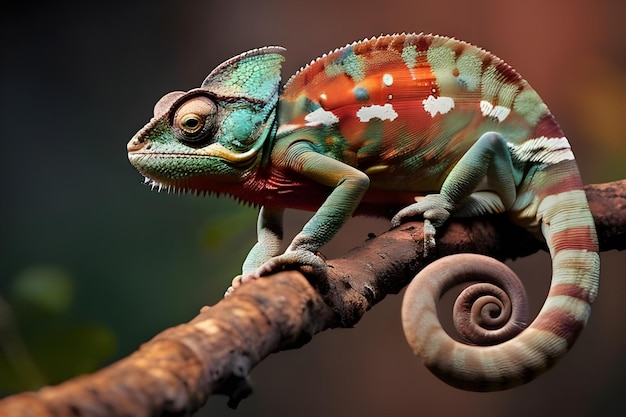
{"x": 181, "y": 367}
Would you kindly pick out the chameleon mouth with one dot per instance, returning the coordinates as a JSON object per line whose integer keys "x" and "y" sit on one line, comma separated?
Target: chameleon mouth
{"x": 179, "y": 173}
{"x": 140, "y": 156}
{"x": 135, "y": 147}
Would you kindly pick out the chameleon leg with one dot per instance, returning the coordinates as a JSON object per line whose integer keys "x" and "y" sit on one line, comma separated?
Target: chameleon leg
{"x": 489, "y": 158}
{"x": 348, "y": 187}
{"x": 269, "y": 240}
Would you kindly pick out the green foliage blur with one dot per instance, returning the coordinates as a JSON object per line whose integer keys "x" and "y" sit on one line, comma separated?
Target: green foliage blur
{"x": 45, "y": 335}
{"x": 42, "y": 341}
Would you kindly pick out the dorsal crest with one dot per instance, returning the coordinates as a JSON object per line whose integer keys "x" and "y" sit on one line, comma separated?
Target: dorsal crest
{"x": 411, "y": 47}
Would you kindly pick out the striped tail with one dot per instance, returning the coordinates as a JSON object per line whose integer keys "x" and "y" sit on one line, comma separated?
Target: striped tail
{"x": 569, "y": 230}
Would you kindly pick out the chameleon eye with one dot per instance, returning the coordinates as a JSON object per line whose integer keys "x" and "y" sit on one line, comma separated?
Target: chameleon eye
{"x": 195, "y": 119}
{"x": 191, "y": 123}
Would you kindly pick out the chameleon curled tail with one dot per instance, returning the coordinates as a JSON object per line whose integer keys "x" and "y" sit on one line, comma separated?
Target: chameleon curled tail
{"x": 505, "y": 353}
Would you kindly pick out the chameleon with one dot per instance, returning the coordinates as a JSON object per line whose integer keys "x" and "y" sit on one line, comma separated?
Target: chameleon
{"x": 396, "y": 126}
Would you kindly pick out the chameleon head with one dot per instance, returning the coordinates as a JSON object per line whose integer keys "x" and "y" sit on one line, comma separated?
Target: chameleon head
{"x": 210, "y": 136}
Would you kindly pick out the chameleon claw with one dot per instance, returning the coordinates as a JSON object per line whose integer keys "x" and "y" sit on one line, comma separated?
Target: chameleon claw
{"x": 229, "y": 291}
{"x": 238, "y": 281}
{"x": 429, "y": 237}
{"x": 233, "y": 286}
{"x": 403, "y": 214}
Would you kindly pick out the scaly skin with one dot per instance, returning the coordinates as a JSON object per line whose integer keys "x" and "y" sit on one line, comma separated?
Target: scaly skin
{"x": 368, "y": 128}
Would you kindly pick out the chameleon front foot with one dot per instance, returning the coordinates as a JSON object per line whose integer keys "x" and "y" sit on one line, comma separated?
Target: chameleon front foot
{"x": 292, "y": 259}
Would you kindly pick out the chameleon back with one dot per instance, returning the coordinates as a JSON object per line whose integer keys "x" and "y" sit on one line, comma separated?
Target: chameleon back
{"x": 405, "y": 108}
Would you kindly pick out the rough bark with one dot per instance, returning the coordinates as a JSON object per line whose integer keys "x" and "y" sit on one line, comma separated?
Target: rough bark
{"x": 181, "y": 367}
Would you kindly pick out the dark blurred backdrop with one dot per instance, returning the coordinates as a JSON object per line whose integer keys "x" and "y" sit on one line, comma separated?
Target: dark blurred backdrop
{"x": 92, "y": 263}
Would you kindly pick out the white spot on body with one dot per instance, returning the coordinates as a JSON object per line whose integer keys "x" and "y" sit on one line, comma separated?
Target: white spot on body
{"x": 321, "y": 117}
{"x": 388, "y": 80}
{"x": 283, "y": 129}
{"x": 386, "y": 112}
{"x": 543, "y": 150}
{"x": 434, "y": 105}
{"x": 499, "y": 112}
{"x": 485, "y": 107}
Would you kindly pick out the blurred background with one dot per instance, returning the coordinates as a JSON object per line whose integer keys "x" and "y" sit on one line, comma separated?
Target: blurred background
{"x": 92, "y": 263}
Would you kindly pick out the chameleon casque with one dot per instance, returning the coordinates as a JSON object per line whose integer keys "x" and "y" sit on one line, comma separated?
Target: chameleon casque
{"x": 427, "y": 125}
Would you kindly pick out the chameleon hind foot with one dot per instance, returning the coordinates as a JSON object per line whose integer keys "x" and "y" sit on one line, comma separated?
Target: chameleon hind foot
{"x": 434, "y": 209}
